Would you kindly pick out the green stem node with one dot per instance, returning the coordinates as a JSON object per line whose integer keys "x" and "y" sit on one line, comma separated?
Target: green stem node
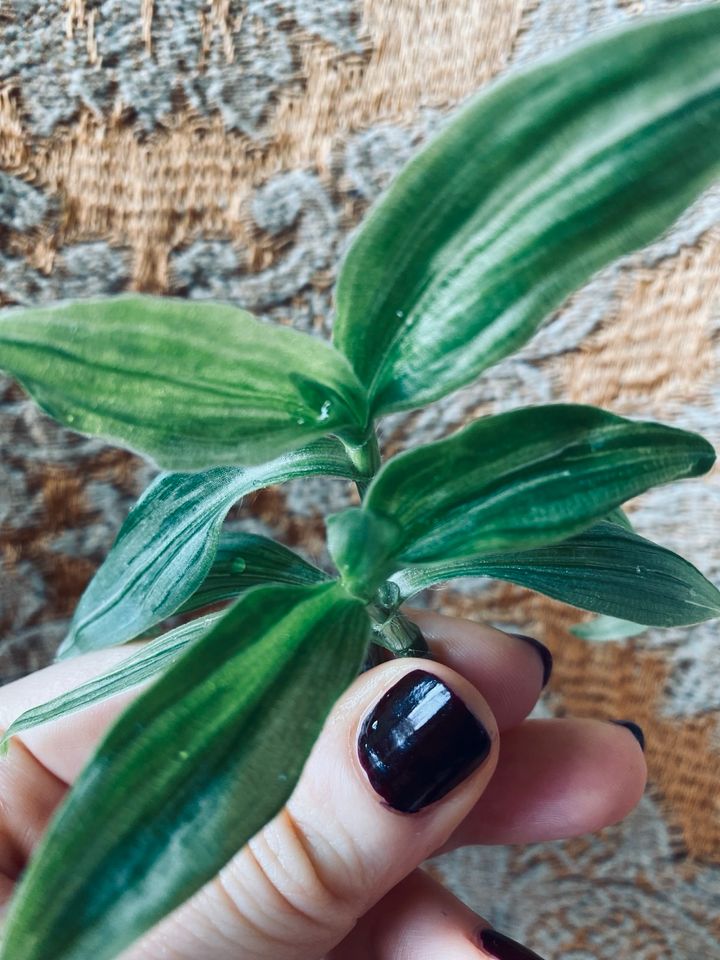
{"x": 365, "y": 457}
{"x": 398, "y": 634}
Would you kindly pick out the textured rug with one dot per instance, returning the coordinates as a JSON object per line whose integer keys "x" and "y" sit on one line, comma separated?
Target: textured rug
{"x": 226, "y": 150}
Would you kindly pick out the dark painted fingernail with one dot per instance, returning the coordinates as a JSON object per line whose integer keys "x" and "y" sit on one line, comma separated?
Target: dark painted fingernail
{"x": 502, "y": 947}
{"x": 542, "y": 651}
{"x": 419, "y": 742}
{"x": 634, "y": 728}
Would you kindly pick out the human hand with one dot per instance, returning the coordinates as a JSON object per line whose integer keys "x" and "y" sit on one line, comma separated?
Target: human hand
{"x": 452, "y": 761}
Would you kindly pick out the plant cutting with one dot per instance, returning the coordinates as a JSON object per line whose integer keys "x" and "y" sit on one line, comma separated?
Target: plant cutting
{"x": 532, "y": 188}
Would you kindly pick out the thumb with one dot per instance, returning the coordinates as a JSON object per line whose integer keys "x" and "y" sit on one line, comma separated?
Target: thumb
{"x": 402, "y": 759}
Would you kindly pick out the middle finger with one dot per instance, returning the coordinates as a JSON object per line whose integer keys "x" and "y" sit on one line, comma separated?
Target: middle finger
{"x": 510, "y": 671}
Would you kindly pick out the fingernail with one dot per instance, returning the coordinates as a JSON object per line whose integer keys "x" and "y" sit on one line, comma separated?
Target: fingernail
{"x": 502, "y": 947}
{"x": 419, "y": 742}
{"x": 542, "y": 651}
{"x": 634, "y": 728}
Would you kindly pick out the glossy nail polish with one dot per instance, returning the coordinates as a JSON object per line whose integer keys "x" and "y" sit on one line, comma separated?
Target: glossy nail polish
{"x": 635, "y": 729}
{"x": 419, "y": 742}
{"x": 498, "y": 945}
{"x": 542, "y": 651}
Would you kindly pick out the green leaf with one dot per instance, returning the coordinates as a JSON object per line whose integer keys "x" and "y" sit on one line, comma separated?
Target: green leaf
{"x": 604, "y": 628}
{"x": 619, "y": 516}
{"x": 192, "y": 385}
{"x": 188, "y": 774}
{"x": 606, "y": 569}
{"x": 361, "y": 544}
{"x": 537, "y": 184}
{"x": 166, "y": 546}
{"x": 150, "y": 660}
{"x": 244, "y": 560}
{"x": 526, "y": 478}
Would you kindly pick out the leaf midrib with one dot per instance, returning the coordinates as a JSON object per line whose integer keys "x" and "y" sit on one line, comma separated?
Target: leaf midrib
{"x": 537, "y": 190}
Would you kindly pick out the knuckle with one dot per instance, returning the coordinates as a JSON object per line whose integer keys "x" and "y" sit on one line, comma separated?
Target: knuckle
{"x": 281, "y": 889}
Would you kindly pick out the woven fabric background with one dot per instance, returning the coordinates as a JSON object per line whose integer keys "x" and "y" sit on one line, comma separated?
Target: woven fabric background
{"x": 226, "y": 149}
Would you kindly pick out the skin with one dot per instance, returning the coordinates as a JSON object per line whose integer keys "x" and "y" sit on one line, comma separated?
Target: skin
{"x": 335, "y": 874}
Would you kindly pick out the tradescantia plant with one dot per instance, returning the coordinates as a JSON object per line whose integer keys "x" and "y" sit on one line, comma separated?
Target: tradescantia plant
{"x": 531, "y": 189}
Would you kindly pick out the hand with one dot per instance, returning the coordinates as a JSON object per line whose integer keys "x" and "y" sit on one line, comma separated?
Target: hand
{"x": 418, "y": 756}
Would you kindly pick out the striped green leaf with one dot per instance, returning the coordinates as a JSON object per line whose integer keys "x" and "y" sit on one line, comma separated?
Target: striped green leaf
{"x": 603, "y": 629}
{"x": 606, "y": 569}
{"x": 192, "y": 770}
{"x": 525, "y": 478}
{"x": 537, "y": 184}
{"x": 166, "y": 546}
{"x": 245, "y": 560}
{"x": 150, "y": 660}
{"x": 618, "y": 515}
{"x": 191, "y": 385}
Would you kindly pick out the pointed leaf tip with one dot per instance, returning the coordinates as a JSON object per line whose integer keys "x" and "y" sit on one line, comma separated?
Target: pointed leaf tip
{"x": 526, "y": 478}
{"x": 539, "y": 182}
{"x": 607, "y": 568}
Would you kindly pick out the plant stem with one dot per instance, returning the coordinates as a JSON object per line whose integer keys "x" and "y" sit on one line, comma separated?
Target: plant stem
{"x": 366, "y": 459}
{"x": 399, "y": 635}
{"x": 392, "y": 629}
{"x": 361, "y": 486}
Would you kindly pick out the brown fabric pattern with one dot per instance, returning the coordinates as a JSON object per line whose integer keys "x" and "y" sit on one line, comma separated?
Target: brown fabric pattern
{"x": 226, "y": 150}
